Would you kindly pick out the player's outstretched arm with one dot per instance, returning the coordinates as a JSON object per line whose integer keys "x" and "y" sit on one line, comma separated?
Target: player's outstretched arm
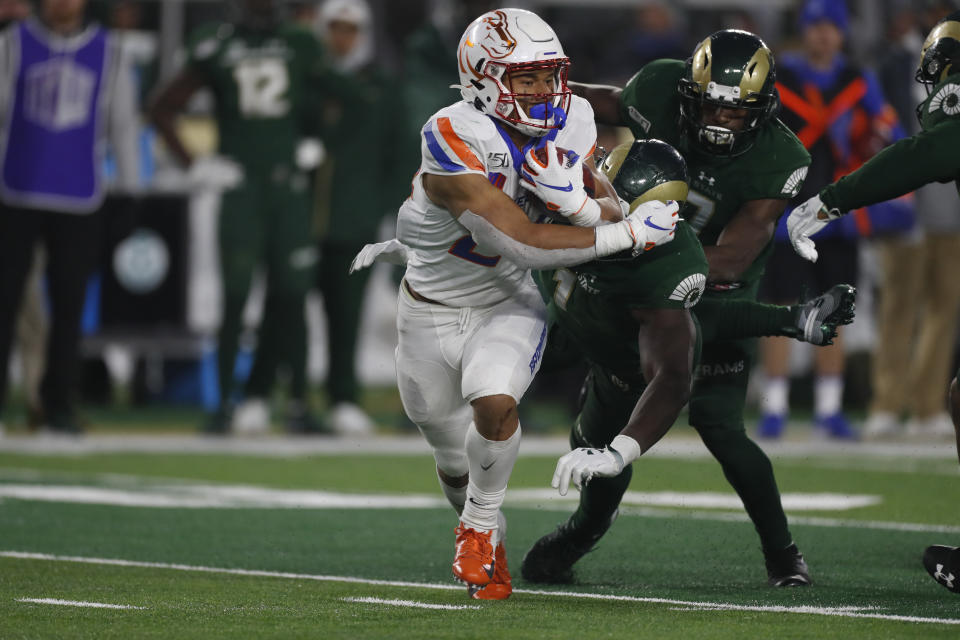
{"x": 742, "y": 240}
{"x": 495, "y": 221}
{"x": 605, "y": 100}
{"x": 666, "y": 339}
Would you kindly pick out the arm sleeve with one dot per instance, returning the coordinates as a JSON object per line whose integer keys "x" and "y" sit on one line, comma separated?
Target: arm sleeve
{"x": 522, "y": 255}
{"x": 124, "y": 124}
{"x": 900, "y": 168}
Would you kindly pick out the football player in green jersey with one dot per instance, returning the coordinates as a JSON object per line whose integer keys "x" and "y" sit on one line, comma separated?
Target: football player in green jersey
{"x": 631, "y": 319}
{"x": 264, "y": 77}
{"x": 928, "y": 156}
{"x": 719, "y": 110}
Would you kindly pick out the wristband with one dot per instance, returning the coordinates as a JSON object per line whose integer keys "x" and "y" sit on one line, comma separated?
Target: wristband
{"x": 627, "y": 447}
{"x": 612, "y": 238}
{"x": 588, "y": 215}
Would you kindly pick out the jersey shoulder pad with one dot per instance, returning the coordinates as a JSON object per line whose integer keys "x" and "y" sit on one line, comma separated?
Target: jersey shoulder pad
{"x": 650, "y": 104}
{"x": 777, "y": 162}
{"x": 453, "y": 140}
{"x": 943, "y": 103}
{"x": 580, "y": 131}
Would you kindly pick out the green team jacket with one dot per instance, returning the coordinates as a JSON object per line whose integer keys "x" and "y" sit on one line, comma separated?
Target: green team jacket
{"x": 928, "y": 156}
{"x": 265, "y": 86}
{"x": 591, "y": 302}
{"x": 774, "y": 167}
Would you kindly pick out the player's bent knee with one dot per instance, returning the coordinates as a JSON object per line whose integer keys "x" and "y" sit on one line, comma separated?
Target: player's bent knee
{"x": 495, "y": 416}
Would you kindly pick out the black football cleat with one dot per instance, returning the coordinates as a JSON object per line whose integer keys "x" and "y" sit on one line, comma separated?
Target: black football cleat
{"x": 551, "y": 558}
{"x": 817, "y": 319}
{"x": 943, "y": 565}
{"x": 786, "y": 568}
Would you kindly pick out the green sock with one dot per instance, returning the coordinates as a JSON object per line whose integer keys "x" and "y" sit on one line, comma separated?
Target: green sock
{"x": 736, "y": 319}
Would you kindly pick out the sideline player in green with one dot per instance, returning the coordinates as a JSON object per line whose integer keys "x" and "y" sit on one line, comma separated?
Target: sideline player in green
{"x": 928, "y": 156}
{"x": 719, "y": 110}
{"x": 634, "y": 321}
{"x": 263, "y": 75}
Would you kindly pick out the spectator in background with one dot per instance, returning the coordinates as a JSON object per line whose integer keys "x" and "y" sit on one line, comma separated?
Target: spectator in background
{"x": 65, "y": 89}
{"x": 913, "y": 358}
{"x": 263, "y": 75}
{"x": 839, "y": 113}
{"x": 355, "y": 189}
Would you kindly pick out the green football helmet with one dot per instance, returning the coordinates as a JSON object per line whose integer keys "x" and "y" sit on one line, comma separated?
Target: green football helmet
{"x": 733, "y": 69}
{"x": 940, "y": 51}
{"x": 642, "y": 171}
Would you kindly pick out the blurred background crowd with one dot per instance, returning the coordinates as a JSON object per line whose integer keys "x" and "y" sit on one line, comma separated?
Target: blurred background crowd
{"x": 190, "y": 265}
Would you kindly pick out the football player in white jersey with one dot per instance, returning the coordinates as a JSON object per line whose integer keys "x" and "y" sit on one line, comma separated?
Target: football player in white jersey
{"x": 471, "y": 323}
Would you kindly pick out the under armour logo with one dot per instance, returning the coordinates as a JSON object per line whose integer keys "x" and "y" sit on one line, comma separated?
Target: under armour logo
{"x": 945, "y": 578}
{"x": 703, "y": 177}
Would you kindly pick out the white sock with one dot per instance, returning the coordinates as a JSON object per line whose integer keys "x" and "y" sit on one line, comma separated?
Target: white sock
{"x": 456, "y": 496}
{"x": 491, "y": 463}
{"x": 776, "y": 396}
{"x": 828, "y": 395}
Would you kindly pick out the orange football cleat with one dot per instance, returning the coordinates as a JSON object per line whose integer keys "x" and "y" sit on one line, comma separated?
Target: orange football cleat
{"x": 473, "y": 562}
{"x": 499, "y": 587}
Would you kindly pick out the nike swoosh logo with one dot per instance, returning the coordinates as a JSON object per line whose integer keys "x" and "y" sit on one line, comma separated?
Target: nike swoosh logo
{"x": 569, "y": 186}
{"x": 653, "y": 226}
{"x": 488, "y": 466}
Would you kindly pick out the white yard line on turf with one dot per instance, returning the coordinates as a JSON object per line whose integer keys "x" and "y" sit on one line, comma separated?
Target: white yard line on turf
{"x": 412, "y": 603}
{"x": 77, "y": 603}
{"x": 843, "y": 612}
{"x": 676, "y": 445}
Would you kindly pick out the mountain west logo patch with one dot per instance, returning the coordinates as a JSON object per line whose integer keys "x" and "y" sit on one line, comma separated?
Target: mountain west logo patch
{"x": 948, "y": 99}
{"x": 690, "y": 290}
{"x": 794, "y": 182}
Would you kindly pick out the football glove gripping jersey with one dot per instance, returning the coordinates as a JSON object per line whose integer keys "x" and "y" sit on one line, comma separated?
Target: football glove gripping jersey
{"x": 392, "y": 251}
{"x": 559, "y": 184}
{"x": 806, "y": 220}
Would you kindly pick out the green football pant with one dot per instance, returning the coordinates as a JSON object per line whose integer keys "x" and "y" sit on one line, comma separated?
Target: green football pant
{"x": 716, "y": 412}
{"x": 343, "y": 302}
{"x": 266, "y": 225}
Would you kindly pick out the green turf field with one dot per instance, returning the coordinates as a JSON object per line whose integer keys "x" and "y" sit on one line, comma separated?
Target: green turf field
{"x": 286, "y": 540}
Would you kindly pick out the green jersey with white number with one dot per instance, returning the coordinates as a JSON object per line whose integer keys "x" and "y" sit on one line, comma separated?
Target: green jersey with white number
{"x": 774, "y": 167}
{"x": 263, "y": 83}
{"x": 928, "y": 156}
{"x": 592, "y": 302}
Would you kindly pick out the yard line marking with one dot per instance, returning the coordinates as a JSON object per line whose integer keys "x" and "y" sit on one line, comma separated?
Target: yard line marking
{"x": 199, "y": 496}
{"x": 843, "y": 612}
{"x": 203, "y": 496}
{"x": 78, "y": 603}
{"x": 842, "y": 523}
{"x": 412, "y": 603}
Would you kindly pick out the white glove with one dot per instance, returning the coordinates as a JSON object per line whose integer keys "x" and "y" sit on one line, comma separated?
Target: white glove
{"x": 214, "y": 173}
{"x": 580, "y": 465}
{"x": 392, "y": 251}
{"x": 804, "y": 221}
{"x": 650, "y": 225}
{"x": 559, "y": 184}
{"x": 309, "y": 153}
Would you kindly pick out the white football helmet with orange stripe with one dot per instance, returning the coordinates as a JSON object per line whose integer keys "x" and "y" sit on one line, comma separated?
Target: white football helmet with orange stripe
{"x": 506, "y": 41}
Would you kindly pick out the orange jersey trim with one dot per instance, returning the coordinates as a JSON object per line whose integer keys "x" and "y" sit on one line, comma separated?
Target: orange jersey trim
{"x": 459, "y": 147}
